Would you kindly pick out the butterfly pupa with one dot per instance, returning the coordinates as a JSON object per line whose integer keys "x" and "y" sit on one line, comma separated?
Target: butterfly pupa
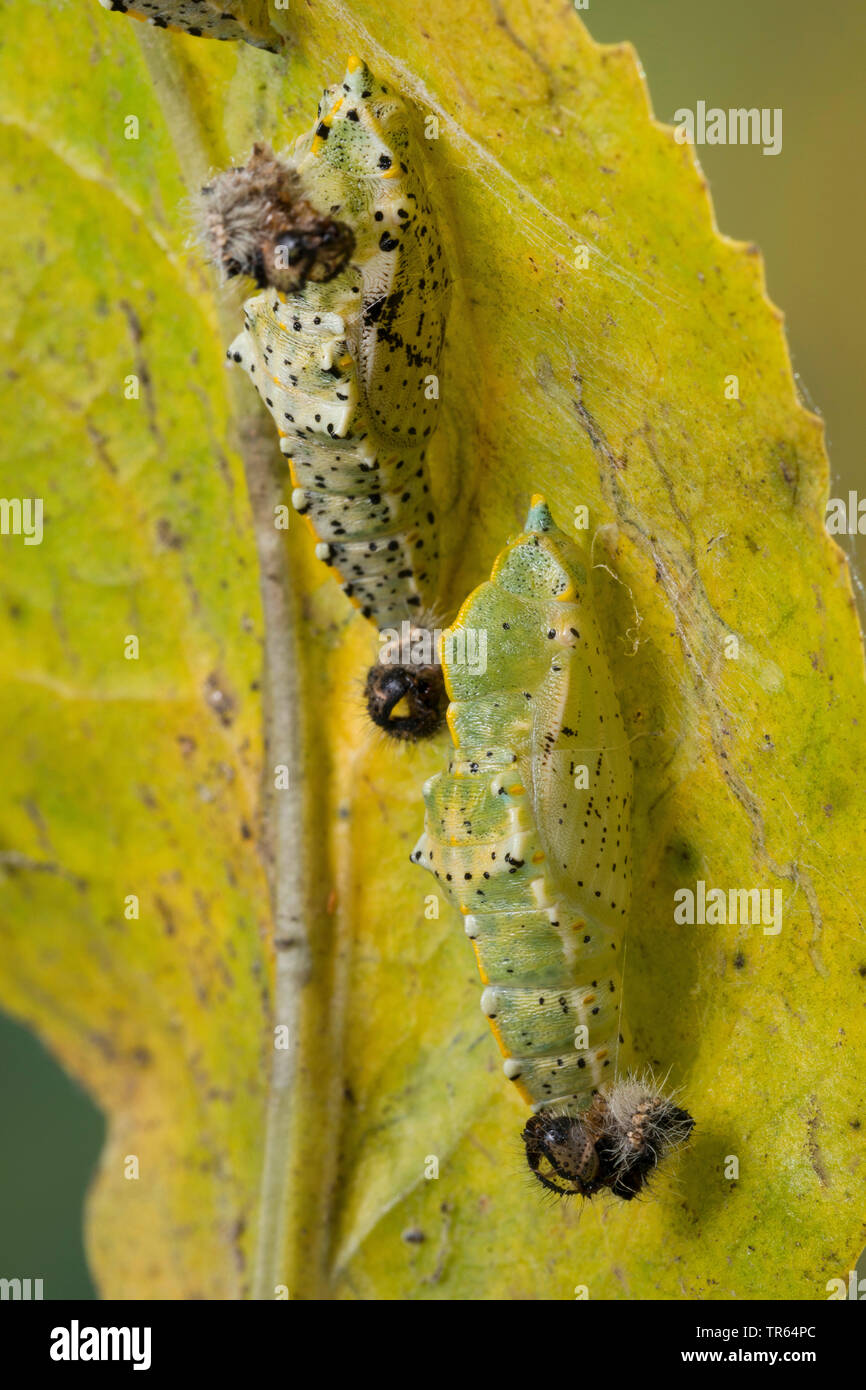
{"x": 215, "y": 19}
{"x": 528, "y": 834}
{"x": 343, "y": 345}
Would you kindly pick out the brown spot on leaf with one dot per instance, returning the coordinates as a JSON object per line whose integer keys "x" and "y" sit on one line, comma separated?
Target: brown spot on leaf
{"x": 815, "y": 1156}
{"x": 168, "y": 538}
{"x": 220, "y": 699}
{"x": 167, "y": 916}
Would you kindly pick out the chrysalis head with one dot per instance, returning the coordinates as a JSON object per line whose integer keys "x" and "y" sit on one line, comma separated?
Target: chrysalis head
{"x": 256, "y": 221}
{"x": 616, "y": 1143}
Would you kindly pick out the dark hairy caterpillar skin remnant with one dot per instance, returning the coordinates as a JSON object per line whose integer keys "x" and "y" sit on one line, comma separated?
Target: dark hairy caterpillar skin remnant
{"x": 257, "y": 222}
{"x": 343, "y": 347}
{"x": 405, "y": 701}
{"x": 615, "y": 1143}
{"x": 207, "y": 18}
{"x": 528, "y": 832}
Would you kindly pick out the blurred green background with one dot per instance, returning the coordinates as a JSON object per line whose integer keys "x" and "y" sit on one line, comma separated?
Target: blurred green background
{"x": 805, "y": 209}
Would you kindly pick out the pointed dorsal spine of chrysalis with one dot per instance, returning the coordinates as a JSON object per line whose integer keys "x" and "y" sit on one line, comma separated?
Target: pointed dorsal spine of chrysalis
{"x": 213, "y": 19}
{"x": 528, "y": 833}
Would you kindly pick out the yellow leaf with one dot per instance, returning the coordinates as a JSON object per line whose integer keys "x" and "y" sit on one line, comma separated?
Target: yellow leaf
{"x": 598, "y": 379}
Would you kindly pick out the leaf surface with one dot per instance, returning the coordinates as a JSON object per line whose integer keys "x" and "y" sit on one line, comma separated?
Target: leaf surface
{"x": 598, "y": 320}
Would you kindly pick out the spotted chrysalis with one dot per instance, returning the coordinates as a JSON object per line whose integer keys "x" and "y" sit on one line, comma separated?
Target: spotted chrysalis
{"x": 528, "y": 833}
{"x": 215, "y": 19}
{"x": 343, "y": 345}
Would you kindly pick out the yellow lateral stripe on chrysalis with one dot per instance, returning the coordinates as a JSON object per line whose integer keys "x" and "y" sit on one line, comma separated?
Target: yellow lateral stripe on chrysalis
{"x": 308, "y": 521}
{"x": 485, "y": 980}
{"x": 522, "y": 1090}
{"x": 327, "y": 122}
{"x": 498, "y": 1036}
{"x": 455, "y": 627}
{"x": 450, "y": 714}
{"x": 445, "y": 671}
